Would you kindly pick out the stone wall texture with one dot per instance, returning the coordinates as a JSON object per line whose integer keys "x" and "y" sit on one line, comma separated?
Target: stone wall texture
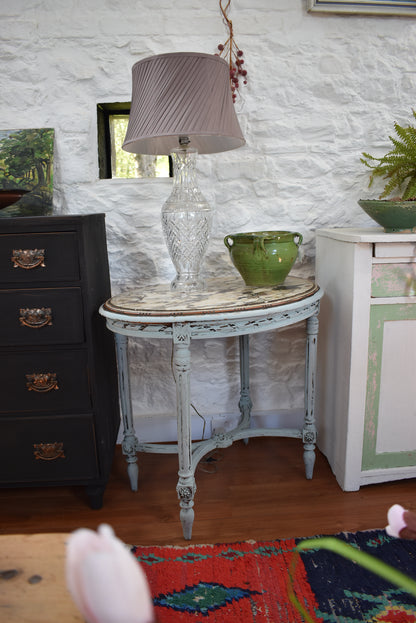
{"x": 321, "y": 88}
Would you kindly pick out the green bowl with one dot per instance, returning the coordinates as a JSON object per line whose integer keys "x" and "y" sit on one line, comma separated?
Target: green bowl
{"x": 263, "y": 258}
{"x": 394, "y": 216}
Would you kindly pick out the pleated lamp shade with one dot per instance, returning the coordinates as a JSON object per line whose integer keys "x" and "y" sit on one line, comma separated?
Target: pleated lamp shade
{"x": 184, "y": 94}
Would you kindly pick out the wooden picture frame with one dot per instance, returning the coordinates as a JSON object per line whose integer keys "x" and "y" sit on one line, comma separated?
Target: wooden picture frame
{"x": 369, "y": 7}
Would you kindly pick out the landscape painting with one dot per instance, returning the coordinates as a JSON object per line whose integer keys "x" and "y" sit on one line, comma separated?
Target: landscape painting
{"x": 26, "y": 172}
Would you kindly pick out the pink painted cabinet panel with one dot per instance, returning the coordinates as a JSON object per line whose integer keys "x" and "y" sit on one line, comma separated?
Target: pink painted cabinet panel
{"x": 393, "y": 280}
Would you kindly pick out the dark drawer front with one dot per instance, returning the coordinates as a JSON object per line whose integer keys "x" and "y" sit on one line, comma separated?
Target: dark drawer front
{"x": 41, "y": 316}
{"x": 47, "y": 449}
{"x": 38, "y": 258}
{"x": 44, "y": 381}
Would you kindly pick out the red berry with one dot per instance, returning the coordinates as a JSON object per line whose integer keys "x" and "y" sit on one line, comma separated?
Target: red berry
{"x": 240, "y": 53}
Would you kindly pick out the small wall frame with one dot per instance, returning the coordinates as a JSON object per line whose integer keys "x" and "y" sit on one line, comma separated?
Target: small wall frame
{"x": 369, "y": 7}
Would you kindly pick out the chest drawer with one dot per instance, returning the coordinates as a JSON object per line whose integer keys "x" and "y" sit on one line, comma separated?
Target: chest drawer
{"x": 395, "y": 249}
{"x": 41, "y": 316}
{"x": 37, "y": 258}
{"x": 44, "y": 381}
{"x": 48, "y": 449}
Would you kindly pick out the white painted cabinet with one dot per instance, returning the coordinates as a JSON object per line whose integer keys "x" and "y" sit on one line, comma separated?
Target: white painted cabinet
{"x": 366, "y": 387}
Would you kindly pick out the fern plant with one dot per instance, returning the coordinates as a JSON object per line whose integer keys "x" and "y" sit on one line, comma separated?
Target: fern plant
{"x": 398, "y": 166}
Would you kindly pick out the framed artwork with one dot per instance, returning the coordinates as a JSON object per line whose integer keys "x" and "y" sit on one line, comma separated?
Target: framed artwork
{"x": 26, "y": 172}
{"x": 369, "y": 7}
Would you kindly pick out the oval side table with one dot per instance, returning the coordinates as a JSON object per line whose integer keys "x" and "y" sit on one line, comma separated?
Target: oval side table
{"x": 226, "y": 308}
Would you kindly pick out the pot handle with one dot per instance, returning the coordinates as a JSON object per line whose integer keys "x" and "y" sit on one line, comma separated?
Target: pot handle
{"x": 299, "y": 240}
{"x": 227, "y": 241}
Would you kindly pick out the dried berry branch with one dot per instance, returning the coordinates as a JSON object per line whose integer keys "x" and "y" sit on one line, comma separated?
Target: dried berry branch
{"x": 232, "y": 53}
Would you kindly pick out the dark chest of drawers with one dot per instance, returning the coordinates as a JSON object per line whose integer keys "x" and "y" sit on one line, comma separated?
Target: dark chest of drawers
{"x": 59, "y": 412}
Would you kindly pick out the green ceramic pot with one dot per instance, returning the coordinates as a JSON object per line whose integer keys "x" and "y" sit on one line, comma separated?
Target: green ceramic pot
{"x": 394, "y": 216}
{"x": 263, "y": 258}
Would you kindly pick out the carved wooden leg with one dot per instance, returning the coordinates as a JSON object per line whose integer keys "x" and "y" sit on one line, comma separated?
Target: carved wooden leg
{"x": 130, "y": 442}
{"x": 245, "y": 403}
{"x": 309, "y": 428}
{"x": 186, "y": 486}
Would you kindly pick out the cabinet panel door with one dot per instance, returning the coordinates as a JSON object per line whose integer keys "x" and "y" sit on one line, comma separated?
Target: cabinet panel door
{"x": 390, "y": 418}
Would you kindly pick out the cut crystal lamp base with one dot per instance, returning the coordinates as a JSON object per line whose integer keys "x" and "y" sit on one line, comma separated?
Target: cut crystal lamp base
{"x": 187, "y": 283}
{"x": 186, "y": 222}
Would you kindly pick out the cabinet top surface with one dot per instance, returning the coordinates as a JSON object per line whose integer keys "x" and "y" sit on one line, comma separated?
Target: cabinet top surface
{"x": 369, "y": 234}
{"x": 221, "y": 296}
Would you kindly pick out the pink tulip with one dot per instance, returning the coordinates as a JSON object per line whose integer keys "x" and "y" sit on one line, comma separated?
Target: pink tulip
{"x": 106, "y": 582}
{"x": 395, "y": 517}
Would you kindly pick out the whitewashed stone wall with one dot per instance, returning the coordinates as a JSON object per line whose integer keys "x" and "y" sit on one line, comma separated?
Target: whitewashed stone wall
{"x": 321, "y": 89}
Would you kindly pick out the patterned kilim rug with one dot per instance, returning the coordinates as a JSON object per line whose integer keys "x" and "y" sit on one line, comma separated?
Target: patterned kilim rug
{"x": 253, "y": 581}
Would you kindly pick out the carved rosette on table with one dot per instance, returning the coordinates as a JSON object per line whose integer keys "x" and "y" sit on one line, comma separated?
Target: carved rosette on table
{"x": 186, "y": 494}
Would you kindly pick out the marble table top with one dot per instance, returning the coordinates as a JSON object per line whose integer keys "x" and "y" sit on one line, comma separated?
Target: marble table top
{"x": 220, "y": 296}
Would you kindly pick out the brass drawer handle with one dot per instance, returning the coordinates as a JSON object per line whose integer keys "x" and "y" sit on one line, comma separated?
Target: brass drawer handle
{"x": 28, "y": 258}
{"x": 35, "y": 318}
{"x": 49, "y": 451}
{"x": 41, "y": 382}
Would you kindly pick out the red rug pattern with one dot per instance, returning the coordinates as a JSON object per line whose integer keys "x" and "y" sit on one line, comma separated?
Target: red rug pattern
{"x": 259, "y": 582}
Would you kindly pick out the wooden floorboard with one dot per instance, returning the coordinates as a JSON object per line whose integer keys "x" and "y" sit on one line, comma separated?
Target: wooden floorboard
{"x": 257, "y": 491}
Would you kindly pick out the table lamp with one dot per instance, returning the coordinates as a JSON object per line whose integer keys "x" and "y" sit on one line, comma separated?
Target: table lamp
{"x": 182, "y": 105}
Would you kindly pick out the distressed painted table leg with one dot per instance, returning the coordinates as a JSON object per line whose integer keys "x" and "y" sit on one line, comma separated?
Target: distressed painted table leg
{"x": 130, "y": 442}
{"x": 186, "y": 486}
{"x": 245, "y": 404}
{"x": 309, "y": 428}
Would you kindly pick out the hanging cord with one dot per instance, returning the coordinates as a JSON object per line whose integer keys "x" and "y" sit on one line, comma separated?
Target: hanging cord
{"x": 209, "y": 463}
